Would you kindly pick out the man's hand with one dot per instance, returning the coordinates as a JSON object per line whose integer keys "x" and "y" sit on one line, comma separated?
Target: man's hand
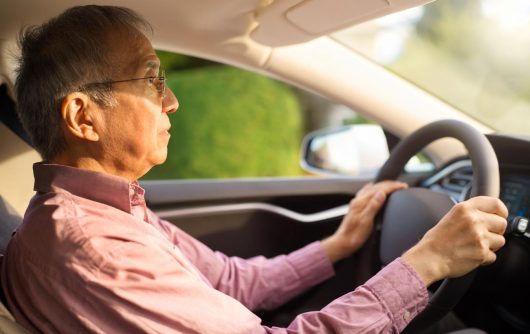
{"x": 466, "y": 237}
{"x": 358, "y": 223}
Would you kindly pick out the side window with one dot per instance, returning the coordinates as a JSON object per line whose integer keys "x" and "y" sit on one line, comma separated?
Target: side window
{"x": 233, "y": 123}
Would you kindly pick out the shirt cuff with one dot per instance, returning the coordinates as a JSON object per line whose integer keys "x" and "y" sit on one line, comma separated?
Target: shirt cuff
{"x": 401, "y": 291}
{"x": 312, "y": 265}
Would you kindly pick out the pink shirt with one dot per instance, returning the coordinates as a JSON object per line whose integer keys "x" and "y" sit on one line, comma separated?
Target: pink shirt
{"x": 91, "y": 257}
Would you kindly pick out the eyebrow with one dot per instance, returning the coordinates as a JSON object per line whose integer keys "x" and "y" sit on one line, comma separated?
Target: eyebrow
{"x": 152, "y": 64}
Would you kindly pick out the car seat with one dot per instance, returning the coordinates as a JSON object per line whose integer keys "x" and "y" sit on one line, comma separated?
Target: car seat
{"x": 9, "y": 220}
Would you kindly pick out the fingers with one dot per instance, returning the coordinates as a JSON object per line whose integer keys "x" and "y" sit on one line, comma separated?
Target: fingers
{"x": 386, "y": 187}
{"x": 495, "y": 223}
{"x": 358, "y": 223}
{"x": 389, "y": 186}
{"x": 490, "y": 205}
{"x": 491, "y": 214}
{"x": 374, "y": 205}
{"x": 486, "y": 211}
{"x": 489, "y": 244}
{"x": 372, "y": 196}
{"x": 486, "y": 226}
{"x": 495, "y": 241}
{"x": 485, "y": 238}
{"x": 486, "y": 215}
{"x": 490, "y": 258}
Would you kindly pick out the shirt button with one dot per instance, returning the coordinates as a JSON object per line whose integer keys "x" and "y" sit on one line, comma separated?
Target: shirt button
{"x": 406, "y": 315}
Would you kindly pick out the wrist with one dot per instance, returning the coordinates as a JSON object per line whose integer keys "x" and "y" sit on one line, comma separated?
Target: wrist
{"x": 335, "y": 248}
{"x": 426, "y": 264}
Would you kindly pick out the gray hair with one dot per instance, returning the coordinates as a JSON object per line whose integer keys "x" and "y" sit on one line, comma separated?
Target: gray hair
{"x": 61, "y": 56}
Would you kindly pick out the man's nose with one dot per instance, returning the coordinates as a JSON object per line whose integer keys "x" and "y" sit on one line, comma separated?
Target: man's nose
{"x": 170, "y": 104}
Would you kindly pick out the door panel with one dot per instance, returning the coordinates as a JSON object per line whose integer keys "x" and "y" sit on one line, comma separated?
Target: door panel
{"x": 256, "y": 216}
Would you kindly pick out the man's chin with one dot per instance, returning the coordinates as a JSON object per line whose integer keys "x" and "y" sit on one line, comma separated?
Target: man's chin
{"x": 157, "y": 160}
{"x": 161, "y": 158}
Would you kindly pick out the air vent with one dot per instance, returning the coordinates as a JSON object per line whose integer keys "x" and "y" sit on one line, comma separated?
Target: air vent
{"x": 454, "y": 180}
{"x": 458, "y": 181}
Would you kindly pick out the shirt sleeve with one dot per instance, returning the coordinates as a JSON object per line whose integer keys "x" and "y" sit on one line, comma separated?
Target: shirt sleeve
{"x": 258, "y": 283}
{"x": 384, "y": 304}
{"x": 145, "y": 289}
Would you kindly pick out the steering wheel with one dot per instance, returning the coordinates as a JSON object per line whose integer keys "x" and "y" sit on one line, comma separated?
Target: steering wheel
{"x": 409, "y": 213}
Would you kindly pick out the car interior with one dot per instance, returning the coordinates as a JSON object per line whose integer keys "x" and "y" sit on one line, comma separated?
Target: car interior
{"x": 289, "y": 40}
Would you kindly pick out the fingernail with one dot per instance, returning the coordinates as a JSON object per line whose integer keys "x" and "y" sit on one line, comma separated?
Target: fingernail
{"x": 380, "y": 196}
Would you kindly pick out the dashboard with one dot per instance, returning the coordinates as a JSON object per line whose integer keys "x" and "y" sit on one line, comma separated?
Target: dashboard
{"x": 515, "y": 193}
{"x": 455, "y": 181}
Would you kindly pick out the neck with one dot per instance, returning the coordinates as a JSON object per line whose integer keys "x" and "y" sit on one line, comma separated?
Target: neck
{"x": 97, "y": 165}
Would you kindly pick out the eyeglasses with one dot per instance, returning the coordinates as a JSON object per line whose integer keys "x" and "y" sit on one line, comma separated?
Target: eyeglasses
{"x": 158, "y": 81}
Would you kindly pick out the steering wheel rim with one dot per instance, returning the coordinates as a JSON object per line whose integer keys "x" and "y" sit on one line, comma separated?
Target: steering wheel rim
{"x": 486, "y": 182}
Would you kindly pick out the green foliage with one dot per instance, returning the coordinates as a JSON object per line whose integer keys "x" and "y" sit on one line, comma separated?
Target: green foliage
{"x": 231, "y": 123}
{"x": 176, "y": 62}
{"x": 356, "y": 120}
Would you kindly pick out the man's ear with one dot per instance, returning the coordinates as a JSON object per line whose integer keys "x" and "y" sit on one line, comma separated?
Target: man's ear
{"x": 77, "y": 113}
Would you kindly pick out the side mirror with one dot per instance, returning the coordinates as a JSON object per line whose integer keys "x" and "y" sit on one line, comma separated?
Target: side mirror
{"x": 359, "y": 149}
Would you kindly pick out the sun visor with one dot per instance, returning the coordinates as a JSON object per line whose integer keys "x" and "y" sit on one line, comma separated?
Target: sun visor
{"x": 287, "y": 22}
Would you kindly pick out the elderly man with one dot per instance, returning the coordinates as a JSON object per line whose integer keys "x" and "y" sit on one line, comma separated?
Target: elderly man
{"x": 91, "y": 257}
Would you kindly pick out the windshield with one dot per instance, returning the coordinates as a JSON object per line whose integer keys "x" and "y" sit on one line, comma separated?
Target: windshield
{"x": 473, "y": 54}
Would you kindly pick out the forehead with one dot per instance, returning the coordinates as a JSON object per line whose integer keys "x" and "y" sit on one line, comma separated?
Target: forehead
{"x": 132, "y": 53}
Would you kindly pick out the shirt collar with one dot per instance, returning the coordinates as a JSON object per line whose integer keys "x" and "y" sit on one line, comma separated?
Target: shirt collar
{"x": 100, "y": 187}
